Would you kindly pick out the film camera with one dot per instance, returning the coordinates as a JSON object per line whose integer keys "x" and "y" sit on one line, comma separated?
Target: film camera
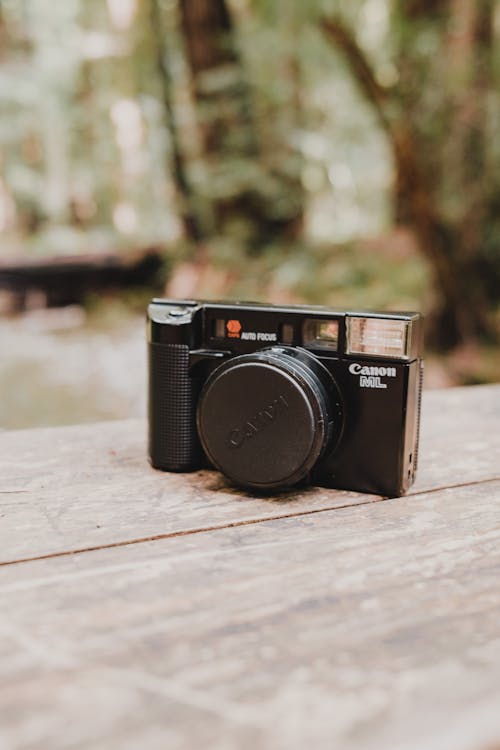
{"x": 276, "y": 395}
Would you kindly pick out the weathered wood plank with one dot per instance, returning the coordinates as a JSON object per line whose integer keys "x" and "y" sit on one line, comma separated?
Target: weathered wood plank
{"x": 373, "y": 627}
{"x": 71, "y": 488}
{"x": 460, "y": 439}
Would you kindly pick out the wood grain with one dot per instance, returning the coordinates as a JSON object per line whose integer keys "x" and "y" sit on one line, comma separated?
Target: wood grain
{"x": 74, "y": 488}
{"x": 372, "y": 627}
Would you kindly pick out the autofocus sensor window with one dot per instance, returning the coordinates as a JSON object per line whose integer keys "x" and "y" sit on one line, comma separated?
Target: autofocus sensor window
{"x": 321, "y": 333}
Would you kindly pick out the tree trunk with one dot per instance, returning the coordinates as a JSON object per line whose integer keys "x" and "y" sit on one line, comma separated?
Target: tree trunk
{"x": 239, "y": 186}
{"x": 471, "y": 122}
{"x": 192, "y": 222}
{"x": 219, "y": 85}
{"x": 452, "y": 249}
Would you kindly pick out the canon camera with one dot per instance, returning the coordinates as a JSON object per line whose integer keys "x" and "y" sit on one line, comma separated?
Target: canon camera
{"x": 274, "y": 396}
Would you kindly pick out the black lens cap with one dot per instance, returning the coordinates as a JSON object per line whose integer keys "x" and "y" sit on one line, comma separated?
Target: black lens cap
{"x": 264, "y": 418}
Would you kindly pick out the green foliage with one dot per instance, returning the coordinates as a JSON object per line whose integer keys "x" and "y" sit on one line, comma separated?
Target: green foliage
{"x": 109, "y": 139}
{"x": 85, "y": 150}
{"x": 368, "y": 275}
{"x": 82, "y": 145}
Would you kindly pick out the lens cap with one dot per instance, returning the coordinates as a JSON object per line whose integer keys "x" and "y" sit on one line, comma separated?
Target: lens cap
{"x": 264, "y": 418}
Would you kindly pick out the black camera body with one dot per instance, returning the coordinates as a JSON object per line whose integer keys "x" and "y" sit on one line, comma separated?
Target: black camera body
{"x": 274, "y": 396}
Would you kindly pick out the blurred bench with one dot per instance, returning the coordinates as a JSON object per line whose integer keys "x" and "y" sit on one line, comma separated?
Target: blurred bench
{"x": 142, "y": 609}
{"x": 64, "y": 280}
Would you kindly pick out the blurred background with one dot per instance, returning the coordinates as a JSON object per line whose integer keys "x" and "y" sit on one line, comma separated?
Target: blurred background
{"x": 345, "y": 154}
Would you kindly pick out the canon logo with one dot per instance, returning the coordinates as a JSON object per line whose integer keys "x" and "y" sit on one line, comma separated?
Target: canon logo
{"x": 259, "y": 422}
{"x": 356, "y": 369}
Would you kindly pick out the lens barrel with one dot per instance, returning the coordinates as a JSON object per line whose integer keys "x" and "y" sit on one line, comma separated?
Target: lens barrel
{"x": 264, "y": 419}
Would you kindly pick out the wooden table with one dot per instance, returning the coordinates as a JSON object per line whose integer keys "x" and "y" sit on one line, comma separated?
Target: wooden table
{"x": 171, "y": 612}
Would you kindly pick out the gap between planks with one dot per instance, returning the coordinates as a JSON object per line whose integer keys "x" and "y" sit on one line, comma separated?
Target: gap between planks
{"x": 234, "y": 524}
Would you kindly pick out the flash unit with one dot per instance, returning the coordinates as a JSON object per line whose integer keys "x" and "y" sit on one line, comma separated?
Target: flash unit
{"x": 383, "y": 337}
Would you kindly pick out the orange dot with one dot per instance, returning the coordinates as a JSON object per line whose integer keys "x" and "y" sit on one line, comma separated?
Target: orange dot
{"x": 233, "y": 326}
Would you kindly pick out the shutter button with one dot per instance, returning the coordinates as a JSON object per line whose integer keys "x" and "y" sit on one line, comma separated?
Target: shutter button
{"x": 177, "y": 312}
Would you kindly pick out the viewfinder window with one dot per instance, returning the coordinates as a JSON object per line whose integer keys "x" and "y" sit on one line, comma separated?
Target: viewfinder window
{"x": 323, "y": 334}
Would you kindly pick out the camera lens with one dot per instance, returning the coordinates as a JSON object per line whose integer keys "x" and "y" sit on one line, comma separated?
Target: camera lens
{"x": 264, "y": 419}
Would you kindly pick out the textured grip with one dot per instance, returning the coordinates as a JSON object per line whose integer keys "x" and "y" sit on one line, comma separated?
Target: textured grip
{"x": 173, "y": 438}
{"x": 419, "y": 412}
